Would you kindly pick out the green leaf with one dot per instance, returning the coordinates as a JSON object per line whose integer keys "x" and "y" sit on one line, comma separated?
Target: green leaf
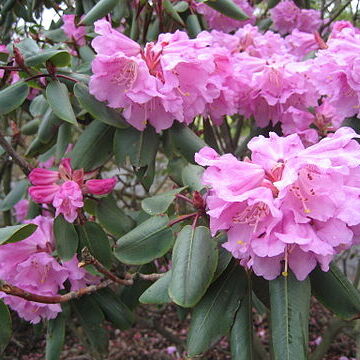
{"x": 336, "y": 292}
{"x": 169, "y": 8}
{"x": 63, "y": 140}
{"x": 31, "y": 127}
{"x": 97, "y": 108}
{"x": 158, "y": 204}
{"x": 112, "y": 218}
{"x": 194, "y": 261}
{"x": 28, "y": 47}
{"x": 94, "y": 147}
{"x": 290, "y": 305}
{"x": 191, "y": 177}
{"x": 102, "y": 8}
{"x": 6, "y": 326}
{"x": 59, "y": 58}
{"x": 38, "y": 106}
{"x": 223, "y": 262}
{"x": 139, "y": 146}
{"x": 58, "y": 97}
{"x": 55, "y": 337}
{"x": 157, "y": 293}
{"x": 91, "y": 317}
{"x": 56, "y": 35}
{"x": 228, "y": 8}
{"x": 13, "y": 96}
{"x": 241, "y": 340}
{"x": 193, "y": 25}
{"x": 185, "y": 141}
{"x": 214, "y": 314}
{"x": 67, "y": 239}
{"x": 14, "y": 196}
{"x": 10, "y": 234}
{"x": 114, "y": 309}
{"x": 94, "y": 238}
{"x": 49, "y": 127}
{"x": 148, "y": 241}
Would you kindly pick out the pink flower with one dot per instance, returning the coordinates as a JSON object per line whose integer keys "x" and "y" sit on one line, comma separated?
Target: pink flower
{"x": 21, "y": 210}
{"x": 64, "y": 188}
{"x": 286, "y": 16}
{"x": 217, "y": 21}
{"x": 29, "y": 265}
{"x": 67, "y": 200}
{"x": 72, "y": 31}
{"x": 288, "y": 203}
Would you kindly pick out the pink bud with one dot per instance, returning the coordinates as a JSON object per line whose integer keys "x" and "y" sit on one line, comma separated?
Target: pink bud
{"x": 43, "y": 194}
{"x": 40, "y": 176}
{"x": 100, "y": 186}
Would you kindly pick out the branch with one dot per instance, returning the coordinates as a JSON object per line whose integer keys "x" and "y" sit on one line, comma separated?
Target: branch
{"x": 323, "y": 27}
{"x": 15, "y": 291}
{"x": 22, "y": 163}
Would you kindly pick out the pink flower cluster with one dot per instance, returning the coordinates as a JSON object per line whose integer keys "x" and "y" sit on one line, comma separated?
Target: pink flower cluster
{"x": 286, "y": 17}
{"x": 64, "y": 189}
{"x": 288, "y": 205}
{"x": 72, "y": 31}
{"x": 217, "y": 21}
{"x": 173, "y": 78}
{"x": 29, "y": 265}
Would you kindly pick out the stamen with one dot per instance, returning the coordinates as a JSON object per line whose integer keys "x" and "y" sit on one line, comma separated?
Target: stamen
{"x": 285, "y": 272}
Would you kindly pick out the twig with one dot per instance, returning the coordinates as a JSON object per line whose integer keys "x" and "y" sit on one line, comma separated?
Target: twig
{"x": 323, "y": 27}
{"x": 22, "y": 163}
{"x": 182, "y": 218}
{"x": 88, "y": 259}
{"x": 56, "y": 299}
{"x": 38, "y": 76}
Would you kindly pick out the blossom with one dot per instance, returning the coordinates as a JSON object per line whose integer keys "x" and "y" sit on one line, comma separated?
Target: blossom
{"x": 174, "y": 78}
{"x": 21, "y": 210}
{"x": 218, "y": 21}
{"x": 29, "y": 265}
{"x": 286, "y": 16}
{"x": 72, "y": 31}
{"x": 64, "y": 188}
{"x": 287, "y": 206}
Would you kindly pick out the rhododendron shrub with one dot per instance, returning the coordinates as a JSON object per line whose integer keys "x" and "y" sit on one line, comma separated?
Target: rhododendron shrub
{"x": 203, "y": 154}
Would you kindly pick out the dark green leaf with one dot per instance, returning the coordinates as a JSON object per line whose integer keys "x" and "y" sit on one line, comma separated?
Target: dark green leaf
{"x": 28, "y": 47}
{"x": 336, "y": 292}
{"x": 94, "y": 146}
{"x": 13, "y": 96}
{"x": 58, "y": 97}
{"x": 169, "y": 8}
{"x": 59, "y": 58}
{"x": 139, "y": 146}
{"x": 242, "y": 331}
{"x": 91, "y": 317}
{"x": 191, "y": 177}
{"x": 148, "y": 241}
{"x": 194, "y": 261}
{"x": 228, "y": 8}
{"x": 114, "y": 309}
{"x": 67, "y": 239}
{"x": 97, "y": 108}
{"x": 102, "y": 8}
{"x": 31, "y": 127}
{"x": 49, "y": 126}
{"x": 55, "y": 337}
{"x": 6, "y": 326}
{"x": 157, "y": 293}
{"x": 112, "y": 218}
{"x": 193, "y": 25}
{"x": 10, "y": 234}
{"x": 223, "y": 261}
{"x": 158, "y": 204}
{"x": 185, "y": 141}
{"x": 38, "y": 106}
{"x": 290, "y": 305}
{"x": 63, "y": 140}
{"x": 14, "y": 196}
{"x": 214, "y": 314}
{"x": 94, "y": 238}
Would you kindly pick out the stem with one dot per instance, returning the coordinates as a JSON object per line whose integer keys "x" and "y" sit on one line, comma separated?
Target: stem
{"x": 15, "y": 291}
{"x": 88, "y": 259}
{"x": 22, "y": 163}
{"x": 182, "y": 218}
{"x": 38, "y": 76}
{"x": 185, "y": 198}
{"x": 11, "y": 68}
{"x": 335, "y": 16}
